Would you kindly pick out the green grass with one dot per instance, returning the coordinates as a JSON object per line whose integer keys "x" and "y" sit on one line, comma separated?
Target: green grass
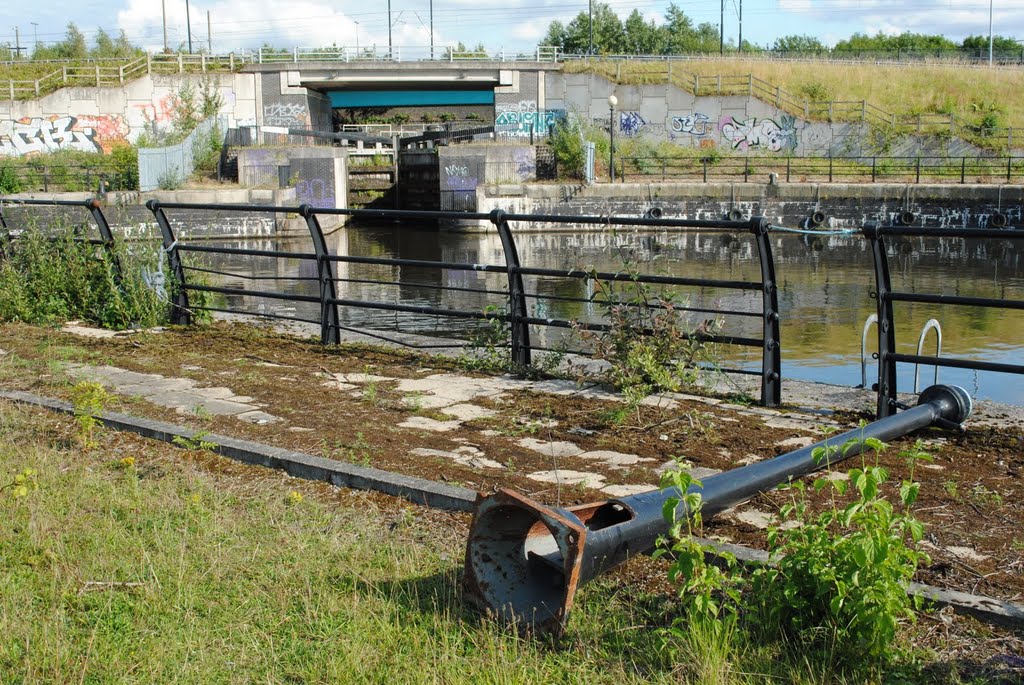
{"x": 138, "y": 562}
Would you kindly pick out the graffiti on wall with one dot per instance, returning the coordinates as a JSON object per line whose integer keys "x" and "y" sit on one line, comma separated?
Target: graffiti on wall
{"x": 315, "y": 192}
{"x": 631, "y": 123}
{"x": 694, "y": 124}
{"x": 38, "y": 135}
{"x": 764, "y": 134}
{"x": 287, "y": 114}
{"x": 457, "y": 177}
{"x": 520, "y": 119}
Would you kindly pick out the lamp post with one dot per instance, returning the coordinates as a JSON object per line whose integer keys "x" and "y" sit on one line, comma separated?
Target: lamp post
{"x": 612, "y": 101}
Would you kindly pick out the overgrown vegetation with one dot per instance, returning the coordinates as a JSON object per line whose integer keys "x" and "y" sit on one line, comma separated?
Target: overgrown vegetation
{"x": 53, "y": 275}
{"x": 71, "y": 171}
{"x": 835, "y": 585}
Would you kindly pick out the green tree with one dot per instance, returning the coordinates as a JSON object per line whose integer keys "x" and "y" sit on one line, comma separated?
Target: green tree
{"x": 906, "y": 42}
{"x": 609, "y": 34}
{"x": 798, "y": 43}
{"x": 1000, "y": 44}
{"x": 642, "y": 37}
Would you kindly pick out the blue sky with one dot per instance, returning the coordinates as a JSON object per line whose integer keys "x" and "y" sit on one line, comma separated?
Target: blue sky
{"x": 509, "y": 24}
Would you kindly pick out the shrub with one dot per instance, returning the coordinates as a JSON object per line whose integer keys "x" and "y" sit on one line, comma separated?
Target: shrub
{"x": 567, "y": 146}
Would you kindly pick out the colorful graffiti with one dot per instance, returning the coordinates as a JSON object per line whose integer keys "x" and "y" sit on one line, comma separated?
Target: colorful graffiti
{"x": 631, "y": 123}
{"x": 315, "y": 192}
{"x": 32, "y": 136}
{"x": 765, "y": 134}
{"x": 519, "y": 124}
{"x": 287, "y": 114}
{"x": 695, "y": 124}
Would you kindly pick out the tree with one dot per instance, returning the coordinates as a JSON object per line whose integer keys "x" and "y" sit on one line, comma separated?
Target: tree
{"x": 609, "y": 34}
{"x": 641, "y": 37}
{"x": 905, "y": 42}
{"x": 798, "y": 43}
{"x": 1000, "y": 44}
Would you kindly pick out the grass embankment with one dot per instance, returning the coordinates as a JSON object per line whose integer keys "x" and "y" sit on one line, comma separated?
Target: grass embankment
{"x": 968, "y": 93}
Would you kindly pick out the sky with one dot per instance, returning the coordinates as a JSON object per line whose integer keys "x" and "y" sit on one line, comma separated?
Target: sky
{"x": 512, "y": 25}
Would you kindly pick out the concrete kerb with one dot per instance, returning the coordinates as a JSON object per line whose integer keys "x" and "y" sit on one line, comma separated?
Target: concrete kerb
{"x": 298, "y": 464}
{"x": 451, "y": 498}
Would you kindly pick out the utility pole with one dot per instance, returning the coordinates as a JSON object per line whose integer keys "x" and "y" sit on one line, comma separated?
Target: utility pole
{"x": 431, "y": 29}
{"x": 591, "y": 4}
{"x": 35, "y": 35}
{"x": 721, "y": 30}
{"x": 389, "y": 30}
{"x": 990, "y": 32}
{"x": 741, "y": 25}
{"x": 163, "y": 8}
{"x": 188, "y": 27}
{"x": 209, "y": 35}
{"x": 17, "y": 42}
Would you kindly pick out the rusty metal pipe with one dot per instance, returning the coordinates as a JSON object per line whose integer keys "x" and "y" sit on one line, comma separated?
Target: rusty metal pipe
{"x": 525, "y": 560}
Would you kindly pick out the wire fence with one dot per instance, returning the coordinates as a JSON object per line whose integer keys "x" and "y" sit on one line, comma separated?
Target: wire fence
{"x": 167, "y": 167}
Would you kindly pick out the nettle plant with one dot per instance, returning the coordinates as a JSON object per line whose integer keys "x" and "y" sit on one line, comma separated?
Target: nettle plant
{"x": 836, "y": 580}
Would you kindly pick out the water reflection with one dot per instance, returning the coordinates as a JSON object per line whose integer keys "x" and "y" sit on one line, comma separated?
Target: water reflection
{"x": 824, "y": 289}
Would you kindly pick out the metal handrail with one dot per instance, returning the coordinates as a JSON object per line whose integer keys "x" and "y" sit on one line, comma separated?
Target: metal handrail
{"x": 929, "y": 325}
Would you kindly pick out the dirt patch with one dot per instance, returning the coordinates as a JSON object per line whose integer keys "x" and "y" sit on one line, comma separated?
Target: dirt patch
{"x": 412, "y": 414}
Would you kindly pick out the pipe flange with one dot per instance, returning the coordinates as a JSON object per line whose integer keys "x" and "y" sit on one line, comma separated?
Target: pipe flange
{"x": 956, "y": 402}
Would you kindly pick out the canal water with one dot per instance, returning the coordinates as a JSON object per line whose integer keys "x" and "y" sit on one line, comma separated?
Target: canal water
{"x": 824, "y": 291}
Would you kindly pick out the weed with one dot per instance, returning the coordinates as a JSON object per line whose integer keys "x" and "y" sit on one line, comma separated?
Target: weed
{"x": 983, "y": 495}
{"x": 196, "y": 442}
{"x": 293, "y": 498}
{"x": 22, "y": 484}
{"x": 487, "y": 348}
{"x": 952, "y": 489}
{"x": 126, "y": 463}
{"x": 89, "y": 398}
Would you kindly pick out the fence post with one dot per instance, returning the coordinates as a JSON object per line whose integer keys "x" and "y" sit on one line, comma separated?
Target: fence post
{"x": 873, "y": 160}
{"x": 330, "y": 331}
{"x": 1009, "y": 167}
{"x": 12, "y": 88}
{"x": 750, "y": 85}
{"x": 919, "y": 170}
{"x": 181, "y": 64}
{"x": 181, "y": 314}
{"x": 830, "y": 168}
{"x": 886, "y": 386}
{"x": 516, "y": 293}
{"x": 231, "y": 61}
{"x": 149, "y": 65}
{"x": 863, "y": 111}
{"x": 107, "y": 236}
{"x": 788, "y": 160}
{"x": 97, "y": 78}
{"x": 771, "y": 354}
{"x": 963, "y": 170}
{"x": 120, "y": 74}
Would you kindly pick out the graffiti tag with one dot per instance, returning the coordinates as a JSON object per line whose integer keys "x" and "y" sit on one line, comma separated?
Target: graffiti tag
{"x": 631, "y": 123}
{"x": 315, "y": 192}
{"x": 29, "y": 136}
{"x": 519, "y": 123}
{"x": 695, "y": 124}
{"x": 284, "y": 114}
{"x": 760, "y": 133}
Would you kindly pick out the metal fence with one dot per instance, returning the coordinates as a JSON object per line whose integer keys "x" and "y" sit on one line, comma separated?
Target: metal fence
{"x": 961, "y": 169}
{"x": 520, "y": 300}
{"x": 69, "y": 177}
{"x": 167, "y": 167}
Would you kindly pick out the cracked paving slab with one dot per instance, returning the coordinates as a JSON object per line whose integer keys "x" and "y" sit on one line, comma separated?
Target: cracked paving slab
{"x": 180, "y": 394}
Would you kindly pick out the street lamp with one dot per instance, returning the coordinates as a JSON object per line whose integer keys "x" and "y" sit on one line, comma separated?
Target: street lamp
{"x": 612, "y": 101}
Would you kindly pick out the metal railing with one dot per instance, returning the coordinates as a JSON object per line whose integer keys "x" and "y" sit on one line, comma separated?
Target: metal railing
{"x": 918, "y": 169}
{"x": 528, "y": 294}
{"x": 885, "y": 297}
{"x": 70, "y": 177}
{"x": 169, "y": 166}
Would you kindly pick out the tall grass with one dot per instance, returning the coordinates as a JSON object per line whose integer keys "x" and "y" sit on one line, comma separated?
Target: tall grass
{"x": 52, "y": 274}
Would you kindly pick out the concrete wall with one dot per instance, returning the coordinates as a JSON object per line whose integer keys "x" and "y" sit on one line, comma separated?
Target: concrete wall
{"x": 95, "y": 119}
{"x": 319, "y": 174}
{"x": 732, "y": 124}
{"x": 845, "y": 205}
{"x": 464, "y": 168}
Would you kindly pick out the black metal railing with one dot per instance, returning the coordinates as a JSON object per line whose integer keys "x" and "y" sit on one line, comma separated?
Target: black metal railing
{"x": 929, "y": 169}
{"x": 520, "y": 303}
{"x": 886, "y": 297}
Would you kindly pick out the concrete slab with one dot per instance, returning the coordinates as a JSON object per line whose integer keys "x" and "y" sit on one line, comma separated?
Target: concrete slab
{"x": 627, "y": 490}
{"x": 612, "y": 458}
{"x": 796, "y": 443}
{"x": 557, "y": 448}
{"x": 258, "y": 417}
{"x": 427, "y": 424}
{"x": 568, "y": 477}
{"x": 361, "y": 378}
{"x": 471, "y": 459}
{"x": 468, "y": 412}
{"x": 217, "y": 393}
{"x": 156, "y": 387}
{"x": 215, "y": 407}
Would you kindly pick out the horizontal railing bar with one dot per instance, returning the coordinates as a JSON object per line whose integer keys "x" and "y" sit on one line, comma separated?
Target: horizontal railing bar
{"x": 562, "y": 323}
{"x": 412, "y": 309}
{"x": 956, "y": 299}
{"x": 955, "y": 363}
{"x": 268, "y": 315}
{"x": 391, "y": 261}
{"x": 425, "y": 286}
{"x": 248, "y": 277}
{"x": 251, "y": 293}
{"x": 584, "y": 300}
{"x": 213, "y": 249}
{"x": 638, "y": 278}
{"x": 404, "y": 343}
{"x": 1008, "y": 234}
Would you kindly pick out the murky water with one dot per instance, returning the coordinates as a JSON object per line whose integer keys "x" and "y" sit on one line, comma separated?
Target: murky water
{"x": 824, "y": 291}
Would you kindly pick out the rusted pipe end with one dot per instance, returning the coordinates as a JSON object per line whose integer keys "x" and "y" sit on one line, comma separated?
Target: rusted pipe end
{"x": 523, "y": 561}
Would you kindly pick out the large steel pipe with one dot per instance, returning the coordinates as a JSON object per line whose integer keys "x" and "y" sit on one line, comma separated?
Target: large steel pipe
{"x": 525, "y": 560}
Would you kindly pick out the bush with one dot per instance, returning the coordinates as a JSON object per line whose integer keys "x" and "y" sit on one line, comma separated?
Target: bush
{"x": 49, "y": 276}
{"x": 9, "y": 182}
{"x": 567, "y": 146}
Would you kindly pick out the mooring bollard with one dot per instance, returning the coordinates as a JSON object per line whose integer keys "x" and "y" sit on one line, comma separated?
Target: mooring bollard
{"x": 525, "y": 560}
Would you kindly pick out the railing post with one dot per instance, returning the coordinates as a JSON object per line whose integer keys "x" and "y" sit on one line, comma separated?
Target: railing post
{"x": 107, "y": 236}
{"x": 830, "y": 168}
{"x": 788, "y": 161}
{"x": 12, "y": 88}
{"x": 181, "y": 314}
{"x": 1009, "y": 167}
{"x": 516, "y": 293}
{"x": 771, "y": 355}
{"x": 886, "y": 386}
{"x": 149, "y": 65}
{"x": 97, "y": 79}
{"x": 873, "y": 160}
{"x": 330, "y": 331}
{"x": 704, "y": 162}
{"x": 919, "y": 170}
{"x": 963, "y": 170}
{"x": 181, "y": 64}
